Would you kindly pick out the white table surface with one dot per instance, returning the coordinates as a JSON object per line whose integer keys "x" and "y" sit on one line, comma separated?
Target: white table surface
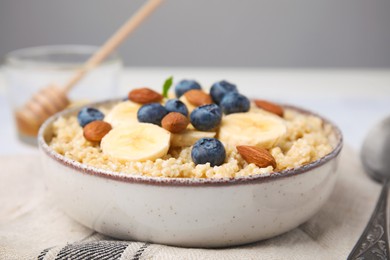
{"x": 353, "y": 99}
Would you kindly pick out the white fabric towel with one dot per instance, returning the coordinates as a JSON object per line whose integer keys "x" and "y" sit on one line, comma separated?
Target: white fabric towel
{"x": 33, "y": 227}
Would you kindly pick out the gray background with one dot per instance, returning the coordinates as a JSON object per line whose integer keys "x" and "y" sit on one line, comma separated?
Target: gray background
{"x": 258, "y": 33}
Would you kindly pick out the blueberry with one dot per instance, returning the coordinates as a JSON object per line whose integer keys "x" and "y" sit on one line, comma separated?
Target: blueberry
{"x": 219, "y": 89}
{"x": 208, "y": 150}
{"x": 151, "y": 113}
{"x": 206, "y": 117}
{"x": 89, "y": 114}
{"x": 185, "y": 85}
{"x": 234, "y": 102}
{"x": 175, "y": 105}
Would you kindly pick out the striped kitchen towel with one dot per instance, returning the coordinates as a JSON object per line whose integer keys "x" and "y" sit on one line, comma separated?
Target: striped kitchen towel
{"x": 33, "y": 227}
{"x": 99, "y": 249}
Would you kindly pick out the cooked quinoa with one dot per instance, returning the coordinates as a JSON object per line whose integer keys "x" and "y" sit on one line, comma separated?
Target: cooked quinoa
{"x": 307, "y": 139}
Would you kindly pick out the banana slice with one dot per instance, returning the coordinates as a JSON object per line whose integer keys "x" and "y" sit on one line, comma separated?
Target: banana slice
{"x": 124, "y": 113}
{"x": 189, "y": 106}
{"x": 189, "y": 137}
{"x": 254, "y": 109}
{"x": 257, "y": 129}
{"x": 138, "y": 142}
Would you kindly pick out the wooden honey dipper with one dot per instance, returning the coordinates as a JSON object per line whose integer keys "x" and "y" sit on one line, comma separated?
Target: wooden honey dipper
{"x": 53, "y": 99}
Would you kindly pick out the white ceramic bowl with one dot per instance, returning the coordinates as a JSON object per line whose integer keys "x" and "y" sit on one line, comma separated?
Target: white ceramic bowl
{"x": 187, "y": 212}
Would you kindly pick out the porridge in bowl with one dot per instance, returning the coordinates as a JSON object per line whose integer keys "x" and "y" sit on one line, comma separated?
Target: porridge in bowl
{"x": 220, "y": 134}
{"x": 201, "y": 169}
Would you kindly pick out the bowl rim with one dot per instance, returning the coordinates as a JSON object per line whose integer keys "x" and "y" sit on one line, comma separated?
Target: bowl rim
{"x": 168, "y": 181}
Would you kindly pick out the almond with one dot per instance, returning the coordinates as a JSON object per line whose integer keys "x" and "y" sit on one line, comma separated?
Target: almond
{"x": 259, "y": 156}
{"x": 198, "y": 97}
{"x": 270, "y": 107}
{"x": 175, "y": 122}
{"x": 96, "y": 130}
{"x": 144, "y": 96}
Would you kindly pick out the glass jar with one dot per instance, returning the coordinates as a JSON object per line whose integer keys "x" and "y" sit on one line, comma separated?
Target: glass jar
{"x": 29, "y": 70}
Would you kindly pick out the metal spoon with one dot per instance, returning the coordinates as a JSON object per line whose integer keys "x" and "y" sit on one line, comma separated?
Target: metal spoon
{"x": 375, "y": 156}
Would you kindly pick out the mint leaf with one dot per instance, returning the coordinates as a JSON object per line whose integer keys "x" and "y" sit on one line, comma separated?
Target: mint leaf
{"x": 167, "y": 85}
